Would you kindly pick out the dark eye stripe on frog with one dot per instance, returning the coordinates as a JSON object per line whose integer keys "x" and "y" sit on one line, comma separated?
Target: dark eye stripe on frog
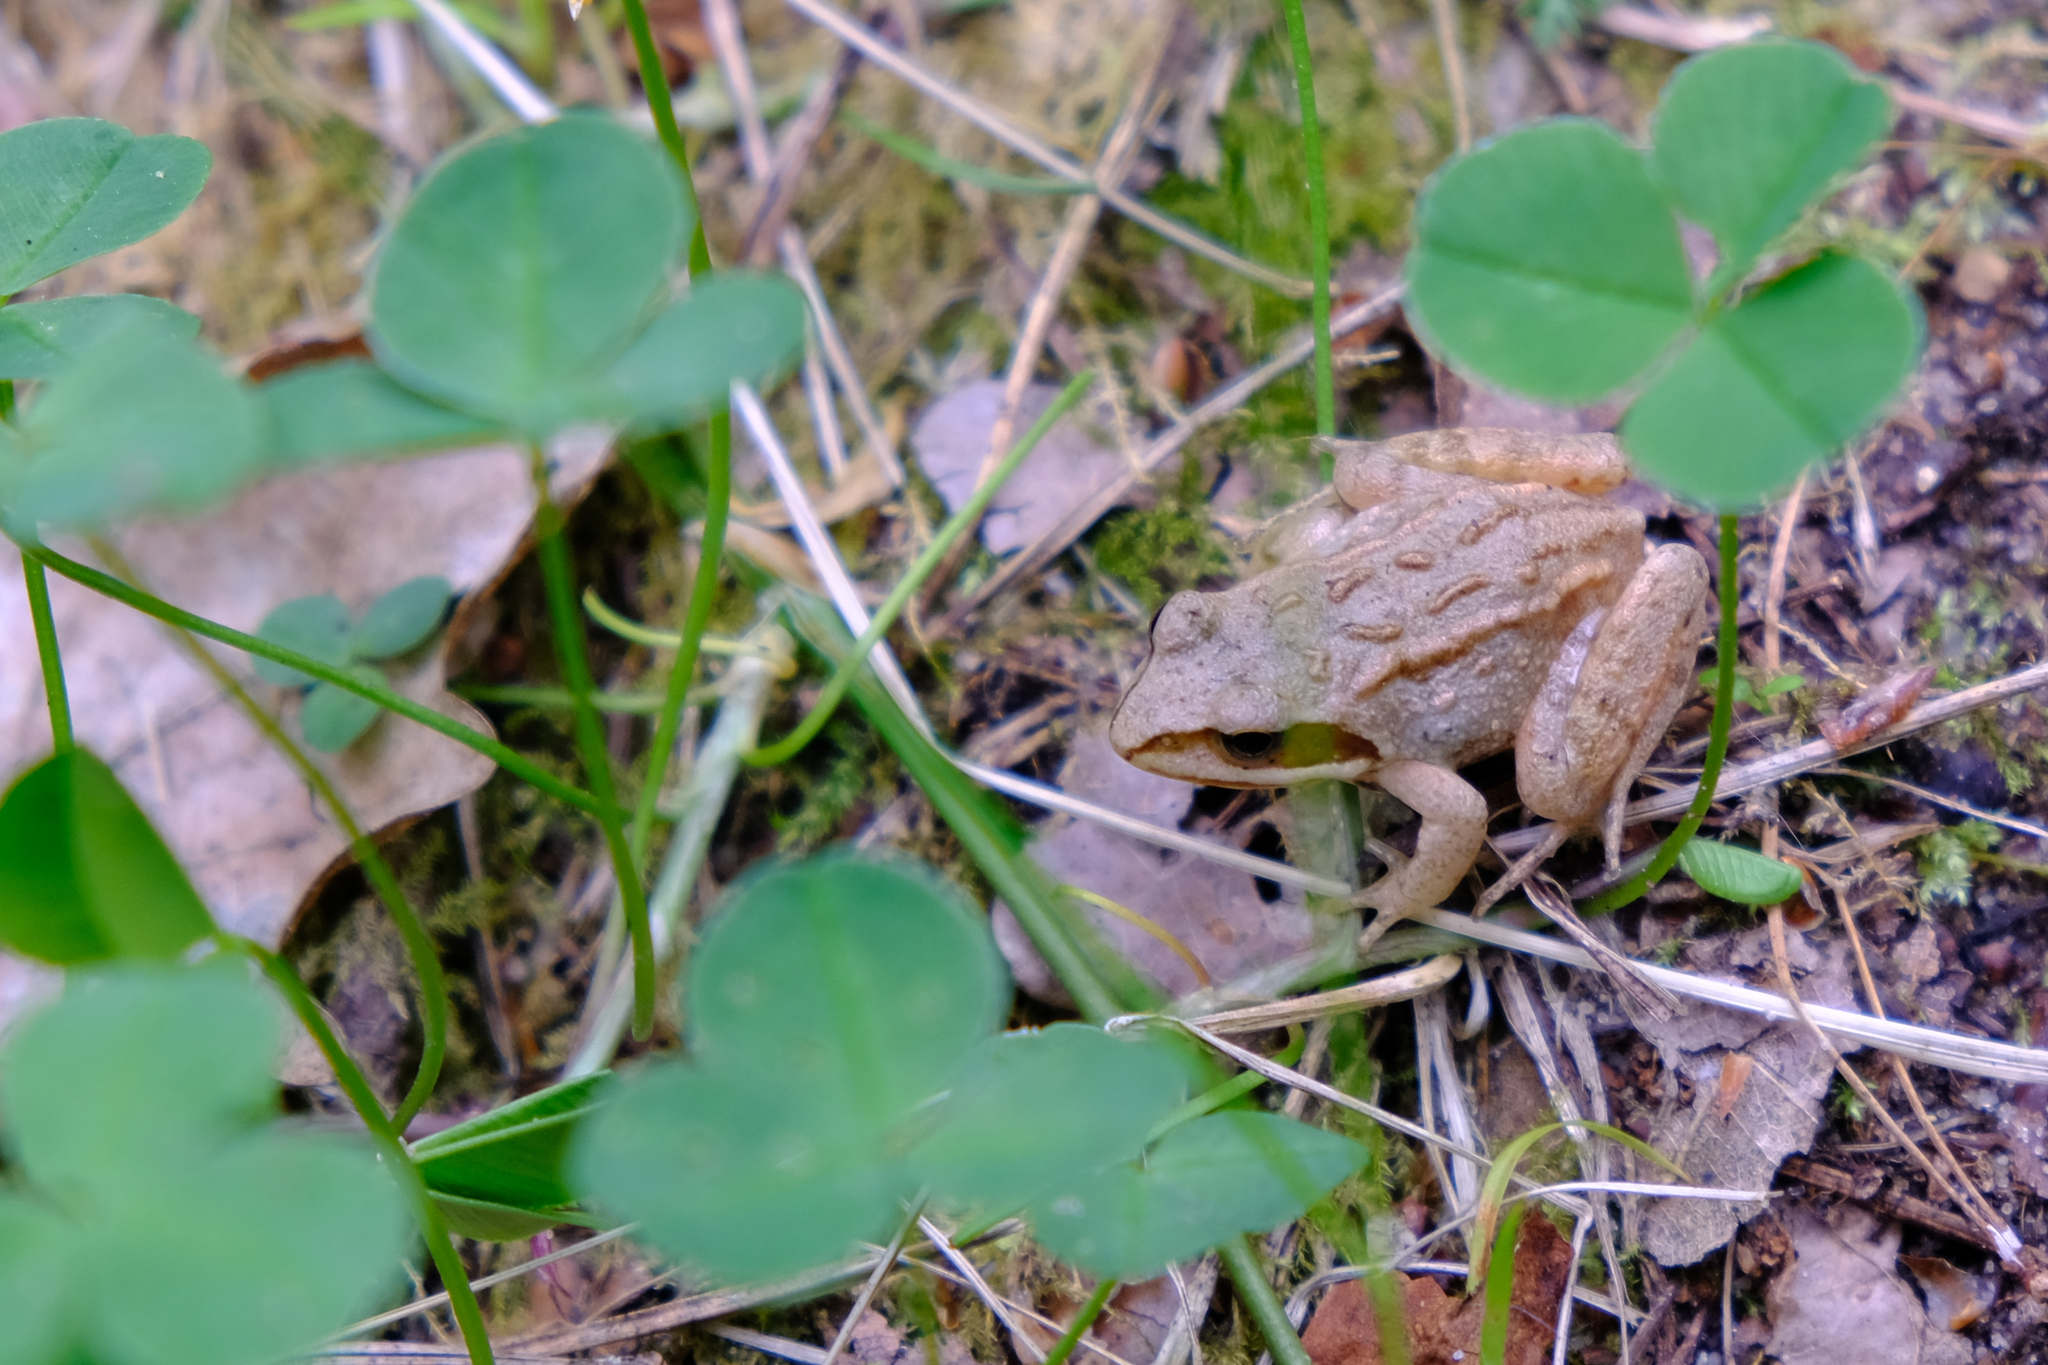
{"x": 1298, "y": 746}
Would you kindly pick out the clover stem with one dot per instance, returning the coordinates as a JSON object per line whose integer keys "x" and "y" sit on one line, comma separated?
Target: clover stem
{"x": 696, "y": 619}
{"x": 968, "y": 515}
{"x": 505, "y": 757}
{"x": 573, "y": 651}
{"x": 661, "y": 104}
{"x": 385, "y": 1134}
{"x": 1717, "y": 742}
{"x": 419, "y": 945}
{"x": 1318, "y": 220}
{"x": 37, "y": 582}
{"x": 1083, "y": 1320}
{"x": 1248, "y": 1273}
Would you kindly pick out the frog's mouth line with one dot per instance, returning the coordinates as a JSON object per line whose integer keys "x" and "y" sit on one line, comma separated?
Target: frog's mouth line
{"x": 1261, "y": 758}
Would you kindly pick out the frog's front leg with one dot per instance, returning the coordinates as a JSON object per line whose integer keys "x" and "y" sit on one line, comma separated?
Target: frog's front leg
{"x": 1453, "y": 831}
{"x": 1606, "y": 704}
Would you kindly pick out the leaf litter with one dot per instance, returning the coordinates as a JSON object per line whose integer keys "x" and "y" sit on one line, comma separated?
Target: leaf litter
{"x": 1923, "y": 556}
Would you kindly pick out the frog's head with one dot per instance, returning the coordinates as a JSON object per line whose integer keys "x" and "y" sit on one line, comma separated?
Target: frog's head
{"x": 1219, "y": 702}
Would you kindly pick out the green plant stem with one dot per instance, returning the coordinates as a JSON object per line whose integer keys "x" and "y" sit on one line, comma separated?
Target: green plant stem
{"x": 661, "y": 104}
{"x": 717, "y": 475}
{"x": 509, "y": 759}
{"x": 921, "y": 568}
{"x": 1248, "y": 1273}
{"x": 696, "y": 619}
{"x": 37, "y": 582}
{"x": 573, "y": 650}
{"x": 1083, "y": 1320}
{"x": 1318, "y": 219}
{"x": 558, "y": 698}
{"x": 1717, "y": 743}
{"x": 419, "y": 945}
{"x": 386, "y": 1135}
{"x": 976, "y": 820}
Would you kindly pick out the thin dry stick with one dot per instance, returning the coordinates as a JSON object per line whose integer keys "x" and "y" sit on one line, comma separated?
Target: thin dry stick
{"x": 1445, "y": 13}
{"x": 870, "y": 46}
{"x": 1740, "y": 778}
{"x": 1774, "y": 581}
{"x": 1980, "y": 1205}
{"x": 1164, "y": 446}
{"x": 971, "y": 1273}
{"x": 792, "y": 153}
{"x": 1110, "y": 168}
{"x": 729, "y": 41}
{"x": 866, "y": 1296}
{"x": 2007, "y": 1245}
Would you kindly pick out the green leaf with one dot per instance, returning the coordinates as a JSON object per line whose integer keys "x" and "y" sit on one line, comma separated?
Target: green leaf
{"x": 39, "y": 339}
{"x": 1547, "y": 263}
{"x": 746, "y": 1176}
{"x": 1738, "y": 874}
{"x": 524, "y": 265}
{"x": 349, "y": 13}
{"x": 1747, "y": 137}
{"x": 867, "y": 984}
{"x": 317, "y": 627}
{"x": 513, "y": 1155}
{"x": 73, "y": 188}
{"x": 139, "y": 421}
{"x": 197, "y": 1041}
{"x": 350, "y": 409}
{"x": 1036, "y": 1106}
{"x": 733, "y": 325}
{"x": 83, "y": 876}
{"x": 333, "y": 719}
{"x": 1788, "y": 376}
{"x": 178, "y": 1226}
{"x": 831, "y": 1001}
{"x": 1223, "y": 1174}
{"x": 38, "y": 1254}
{"x": 401, "y": 620}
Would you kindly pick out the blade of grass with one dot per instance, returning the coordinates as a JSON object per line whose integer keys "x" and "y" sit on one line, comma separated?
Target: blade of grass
{"x": 968, "y": 515}
{"x": 1248, "y": 1273}
{"x": 1500, "y": 1290}
{"x": 1083, "y": 1320}
{"x": 1318, "y": 223}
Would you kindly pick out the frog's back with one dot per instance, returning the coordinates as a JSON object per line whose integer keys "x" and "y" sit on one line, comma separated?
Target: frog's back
{"x": 1430, "y": 633}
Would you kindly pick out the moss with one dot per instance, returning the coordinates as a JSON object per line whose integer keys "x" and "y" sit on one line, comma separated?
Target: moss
{"x": 1165, "y": 549}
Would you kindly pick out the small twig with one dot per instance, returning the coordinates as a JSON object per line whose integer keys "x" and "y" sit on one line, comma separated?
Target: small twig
{"x": 1445, "y": 15}
{"x": 874, "y": 1282}
{"x": 1774, "y": 580}
{"x": 729, "y": 41}
{"x": 870, "y": 46}
{"x": 1379, "y": 991}
{"x": 2007, "y": 1245}
{"x": 971, "y": 1273}
{"x": 1738, "y": 779}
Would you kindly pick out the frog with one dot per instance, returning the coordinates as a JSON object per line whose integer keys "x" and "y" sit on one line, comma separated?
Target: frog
{"x": 1453, "y": 594}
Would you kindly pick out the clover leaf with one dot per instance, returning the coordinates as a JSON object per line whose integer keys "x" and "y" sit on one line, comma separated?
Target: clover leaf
{"x": 75, "y": 188}
{"x": 320, "y": 627}
{"x": 842, "y": 1058}
{"x": 143, "y": 1226}
{"x": 1549, "y": 262}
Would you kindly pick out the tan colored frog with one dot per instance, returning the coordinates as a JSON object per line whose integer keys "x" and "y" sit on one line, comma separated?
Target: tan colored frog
{"x": 1455, "y": 594}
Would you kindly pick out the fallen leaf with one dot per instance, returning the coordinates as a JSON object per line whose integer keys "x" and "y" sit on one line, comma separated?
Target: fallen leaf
{"x": 1216, "y": 913}
{"x": 1076, "y": 457}
{"x": 244, "y": 825}
{"x": 1839, "y": 1299}
{"x": 1443, "y": 1330}
{"x": 1771, "y": 1078}
{"x": 1955, "y": 1298}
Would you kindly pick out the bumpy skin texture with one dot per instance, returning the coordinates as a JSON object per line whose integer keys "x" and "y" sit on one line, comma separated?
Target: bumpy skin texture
{"x": 1422, "y": 618}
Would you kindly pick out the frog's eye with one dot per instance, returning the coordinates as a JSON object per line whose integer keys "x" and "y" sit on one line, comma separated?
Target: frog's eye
{"x": 1250, "y": 746}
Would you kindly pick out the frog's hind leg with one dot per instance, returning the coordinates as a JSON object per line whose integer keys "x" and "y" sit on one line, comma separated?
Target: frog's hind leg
{"x": 1610, "y": 697}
